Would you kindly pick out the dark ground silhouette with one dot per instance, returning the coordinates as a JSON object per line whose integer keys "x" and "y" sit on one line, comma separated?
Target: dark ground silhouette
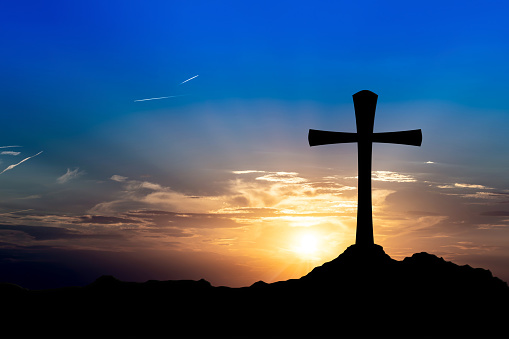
{"x": 361, "y": 293}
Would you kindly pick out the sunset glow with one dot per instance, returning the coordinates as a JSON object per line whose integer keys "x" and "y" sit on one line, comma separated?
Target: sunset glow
{"x": 307, "y": 245}
{"x": 215, "y": 179}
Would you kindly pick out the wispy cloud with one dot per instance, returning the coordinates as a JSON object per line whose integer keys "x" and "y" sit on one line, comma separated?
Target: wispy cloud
{"x": 9, "y": 146}
{"x": 183, "y": 82}
{"x": 7, "y": 213}
{"x": 105, "y": 220}
{"x": 118, "y": 178}
{"x": 22, "y": 161}
{"x": 484, "y": 195}
{"x": 69, "y": 175}
{"x": 33, "y": 196}
{"x": 247, "y": 172}
{"x": 459, "y": 185}
{"x": 392, "y": 176}
{"x": 471, "y": 186}
{"x": 9, "y": 153}
{"x": 285, "y": 177}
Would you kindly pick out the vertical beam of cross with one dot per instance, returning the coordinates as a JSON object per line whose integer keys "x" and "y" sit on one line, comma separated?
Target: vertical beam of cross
{"x": 365, "y": 107}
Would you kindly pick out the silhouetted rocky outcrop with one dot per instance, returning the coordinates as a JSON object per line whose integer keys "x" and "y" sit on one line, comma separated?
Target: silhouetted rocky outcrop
{"x": 363, "y": 292}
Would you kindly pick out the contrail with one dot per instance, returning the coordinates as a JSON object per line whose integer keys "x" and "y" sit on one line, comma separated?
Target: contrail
{"x": 9, "y": 146}
{"x": 183, "y": 82}
{"x": 12, "y": 166}
{"x": 171, "y": 96}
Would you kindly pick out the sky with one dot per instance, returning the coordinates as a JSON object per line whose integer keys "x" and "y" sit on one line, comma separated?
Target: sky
{"x": 217, "y": 181}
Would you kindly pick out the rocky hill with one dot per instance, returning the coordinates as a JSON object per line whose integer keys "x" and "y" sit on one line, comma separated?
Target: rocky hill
{"x": 361, "y": 293}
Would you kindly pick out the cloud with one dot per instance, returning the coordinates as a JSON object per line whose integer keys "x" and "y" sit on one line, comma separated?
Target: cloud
{"x": 8, "y": 213}
{"x": 479, "y": 195}
{"x": 285, "y": 177}
{"x": 286, "y": 192}
{"x": 261, "y": 209}
{"x": 247, "y": 172}
{"x": 258, "y": 213}
{"x": 389, "y": 176}
{"x": 248, "y": 197}
{"x": 105, "y": 220}
{"x": 69, "y": 175}
{"x": 9, "y": 146}
{"x": 483, "y": 195}
{"x": 471, "y": 191}
{"x": 471, "y": 186}
{"x": 10, "y": 153}
{"x": 491, "y": 226}
{"x": 459, "y": 185}
{"x": 135, "y": 185}
{"x": 147, "y": 195}
{"x": 118, "y": 178}
{"x": 22, "y": 161}
{"x": 290, "y": 193}
{"x": 496, "y": 213}
{"x": 172, "y": 220}
{"x": 29, "y": 197}
{"x": 40, "y": 233}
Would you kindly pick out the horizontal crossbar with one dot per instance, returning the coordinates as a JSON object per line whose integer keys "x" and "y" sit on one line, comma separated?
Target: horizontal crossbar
{"x": 412, "y": 137}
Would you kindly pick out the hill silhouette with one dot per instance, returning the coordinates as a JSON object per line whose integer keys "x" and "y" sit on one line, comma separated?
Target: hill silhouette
{"x": 361, "y": 293}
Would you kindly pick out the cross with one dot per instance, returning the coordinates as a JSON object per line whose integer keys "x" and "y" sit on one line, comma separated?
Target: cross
{"x": 365, "y": 106}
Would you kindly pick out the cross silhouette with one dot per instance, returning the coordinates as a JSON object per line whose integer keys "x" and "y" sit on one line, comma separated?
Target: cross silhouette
{"x": 365, "y": 107}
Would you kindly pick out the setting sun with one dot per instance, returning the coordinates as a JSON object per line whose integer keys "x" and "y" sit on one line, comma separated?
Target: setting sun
{"x": 306, "y": 245}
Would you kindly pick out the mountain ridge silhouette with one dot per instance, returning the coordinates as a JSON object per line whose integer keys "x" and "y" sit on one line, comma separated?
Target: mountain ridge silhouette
{"x": 363, "y": 292}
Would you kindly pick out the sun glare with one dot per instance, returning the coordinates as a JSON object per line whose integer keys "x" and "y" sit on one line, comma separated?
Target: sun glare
{"x": 306, "y": 245}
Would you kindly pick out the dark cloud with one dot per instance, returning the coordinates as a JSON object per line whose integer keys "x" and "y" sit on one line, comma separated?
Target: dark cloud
{"x": 52, "y": 233}
{"x": 43, "y": 232}
{"x": 496, "y": 213}
{"x": 105, "y": 220}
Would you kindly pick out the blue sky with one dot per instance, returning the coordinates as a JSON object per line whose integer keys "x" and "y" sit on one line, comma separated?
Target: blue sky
{"x": 268, "y": 71}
